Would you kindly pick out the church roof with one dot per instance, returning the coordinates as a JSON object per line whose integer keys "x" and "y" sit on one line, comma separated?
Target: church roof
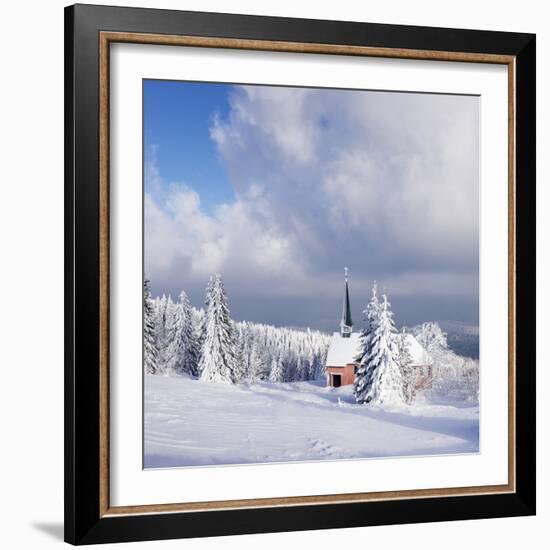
{"x": 418, "y": 354}
{"x": 343, "y": 351}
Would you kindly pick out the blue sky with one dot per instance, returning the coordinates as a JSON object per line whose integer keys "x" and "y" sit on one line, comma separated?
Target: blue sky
{"x": 177, "y": 118}
{"x": 279, "y": 188}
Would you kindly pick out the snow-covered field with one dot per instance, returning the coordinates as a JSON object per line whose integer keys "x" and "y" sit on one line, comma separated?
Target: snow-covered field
{"x": 191, "y": 422}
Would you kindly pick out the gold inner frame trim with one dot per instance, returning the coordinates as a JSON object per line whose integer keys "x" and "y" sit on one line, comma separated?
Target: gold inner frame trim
{"x": 105, "y": 39}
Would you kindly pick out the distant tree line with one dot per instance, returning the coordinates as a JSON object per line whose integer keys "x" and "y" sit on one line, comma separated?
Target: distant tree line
{"x": 208, "y": 344}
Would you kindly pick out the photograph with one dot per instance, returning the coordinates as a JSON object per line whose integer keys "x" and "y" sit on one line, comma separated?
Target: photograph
{"x": 299, "y": 274}
{"x": 310, "y": 274}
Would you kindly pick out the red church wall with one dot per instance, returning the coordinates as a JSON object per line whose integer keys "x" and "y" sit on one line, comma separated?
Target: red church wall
{"x": 347, "y": 374}
{"x": 423, "y": 378}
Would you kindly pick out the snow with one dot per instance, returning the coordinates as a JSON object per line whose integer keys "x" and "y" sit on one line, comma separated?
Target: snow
{"x": 191, "y": 422}
{"x": 343, "y": 351}
{"x": 418, "y": 354}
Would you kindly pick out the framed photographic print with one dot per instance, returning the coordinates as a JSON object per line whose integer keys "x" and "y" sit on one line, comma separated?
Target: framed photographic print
{"x": 300, "y": 284}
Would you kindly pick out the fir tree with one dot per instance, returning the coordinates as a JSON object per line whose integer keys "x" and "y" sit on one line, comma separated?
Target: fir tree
{"x": 150, "y": 349}
{"x": 240, "y": 369}
{"x": 378, "y": 379}
{"x": 197, "y": 320}
{"x": 277, "y": 372}
{"x": 217, "y": 362}
{"x": 164, "y": 313}
{"x": 242, "y": 350}
{"x": 311, "y": 365}
{"x": 432, "y": 339}
{"x": 258, "y": 369}
{"x": 372, "y": 313}
{"x": 371, "y": 316}
{"x": 404, "y": 360}
{"x": 203, "y": 320}
{"x": 319, "y": 368}
{"x": 183, "y": 352}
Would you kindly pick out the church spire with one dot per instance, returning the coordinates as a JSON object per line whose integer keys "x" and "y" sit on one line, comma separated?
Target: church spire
{"x": 346, "y": 324}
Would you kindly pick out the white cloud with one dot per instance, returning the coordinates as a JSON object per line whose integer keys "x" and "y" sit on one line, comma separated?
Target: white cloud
{"x": 386, "y": 183}
{"x": 184, "y": 245}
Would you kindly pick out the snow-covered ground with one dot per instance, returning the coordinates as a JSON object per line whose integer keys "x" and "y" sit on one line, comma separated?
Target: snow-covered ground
{"x": 190, "y": 423}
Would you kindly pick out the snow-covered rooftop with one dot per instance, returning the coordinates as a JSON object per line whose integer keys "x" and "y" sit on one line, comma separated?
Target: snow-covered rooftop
{"x": 343, "y": 351}
{"x": 418, "y": 354}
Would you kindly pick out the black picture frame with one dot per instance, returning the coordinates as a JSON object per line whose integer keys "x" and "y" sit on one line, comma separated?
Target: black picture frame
{"x": 84, "y": 523}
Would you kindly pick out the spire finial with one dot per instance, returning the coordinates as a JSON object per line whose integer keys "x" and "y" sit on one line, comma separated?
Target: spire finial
{"x": 346, "y": 273}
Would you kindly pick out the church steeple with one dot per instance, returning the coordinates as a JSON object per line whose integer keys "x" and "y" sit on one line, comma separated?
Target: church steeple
{"x": 346, "y": 325}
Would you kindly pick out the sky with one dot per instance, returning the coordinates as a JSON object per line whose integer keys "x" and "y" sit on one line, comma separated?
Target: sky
{"x": 280, "y": 188}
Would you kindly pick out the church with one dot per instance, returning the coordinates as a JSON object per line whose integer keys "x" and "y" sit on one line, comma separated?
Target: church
{"x": 345, "y": 346}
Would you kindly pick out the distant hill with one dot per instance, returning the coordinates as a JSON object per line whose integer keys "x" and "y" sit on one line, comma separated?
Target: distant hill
{"x": 462, "y": 338}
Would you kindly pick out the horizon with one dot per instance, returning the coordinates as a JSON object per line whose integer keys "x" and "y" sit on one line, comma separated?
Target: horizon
{"x": 327, "y": 331}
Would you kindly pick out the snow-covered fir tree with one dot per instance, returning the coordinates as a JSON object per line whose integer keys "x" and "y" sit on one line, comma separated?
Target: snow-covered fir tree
{"x": 164, "y": 318}
{"x": 242, "y": 350}
{"x": 217, "y": 362}
{"x": 453, "y": 375}
{"x": 241, "y": 367}
{"x": 311, "y": 361}
{"x": 201, "y": 318}
{"x": 277, "y": 371}
{"x": 258, "y": 366}
{"x": 300, "y": 369}
{"x": 404, "y": 360}
{"x": 197, "y": 322}
{"x": 371, "y": 316}
{"x": 378, "y": 378}
{"x": 150, "y": 349}
{"x": 372, "y": 313}
{"x": 431, "y": 338}
{"x": 183, "y": 351}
